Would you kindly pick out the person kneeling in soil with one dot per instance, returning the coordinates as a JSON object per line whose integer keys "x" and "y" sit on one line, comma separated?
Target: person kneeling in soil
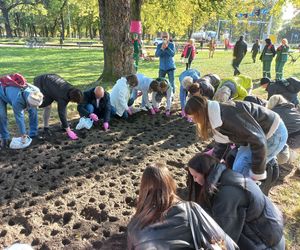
{"x": 120, "y": 94}
{"x": 186, "y": 78}
{"x": 236, "y": 203}
{"x": 163, "y": 221}
{"x": 55, "y": 88}
{"x": 288, "y": 88}
{"x": 143, "y": 88}
{"x": 234, "y": 88}
{"x": 15, "y": 91}
{"x": 95, "y": 105}
{"x": 164, "y": 89}
{"x": 259, "y": 132}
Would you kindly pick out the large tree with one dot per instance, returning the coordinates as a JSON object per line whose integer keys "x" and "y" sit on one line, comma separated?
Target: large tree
{"x": 118, "y": 52}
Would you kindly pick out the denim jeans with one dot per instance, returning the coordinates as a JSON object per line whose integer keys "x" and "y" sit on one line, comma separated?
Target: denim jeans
{"x": 275, "y": 144}
{"x": 114, "y": 113}
{"x": 182, "y": 95}
{"x": 162, "y": 73}
{"x": 33, "y": 121}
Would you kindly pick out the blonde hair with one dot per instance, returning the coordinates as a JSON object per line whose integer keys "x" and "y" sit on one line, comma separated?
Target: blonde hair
{"x": 192, "y": 41}
{"x": 275, "y": 100}
{"x": 285, "y": 41}
{"x": 187, "y": 82}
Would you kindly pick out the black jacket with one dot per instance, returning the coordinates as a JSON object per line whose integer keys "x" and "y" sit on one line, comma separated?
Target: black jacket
{"x": 55, "y": 88}
{"x": 240, "y": 49}
{"x": 288, "y": 88}
{"x": 255, "y": 48}
{"x": 246, "y": 123}
{"x": 290, "y": 116}
{"x": 243, "y": 211}
{"x": 104, "y": 108}
{"x": 206, "y": 89}
{"x": 172, "y": 233}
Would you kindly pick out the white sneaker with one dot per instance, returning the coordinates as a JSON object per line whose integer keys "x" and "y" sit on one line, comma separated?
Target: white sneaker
{"x": 16, "y": 143}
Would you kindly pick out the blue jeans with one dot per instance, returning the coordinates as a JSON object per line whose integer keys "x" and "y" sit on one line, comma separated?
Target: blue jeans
{"x": 162, "y": 73}
{"x": 182, "y": 95}
{"x": 33, "y": 121}
{"x": 114, "y": 113}
{"x": 275, "y": 144}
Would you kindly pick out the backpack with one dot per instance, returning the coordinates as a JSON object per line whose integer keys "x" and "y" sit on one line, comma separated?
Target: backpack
{"x": 13, "y": 80}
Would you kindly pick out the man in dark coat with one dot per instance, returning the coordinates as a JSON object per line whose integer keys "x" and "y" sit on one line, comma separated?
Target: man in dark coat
{"x": 239, "y": 51}
{"x": 288, "y": 88}
{"x": 55, "y": 88}
{"x": 255, "y": 50}
{"x": 95, "y": 105}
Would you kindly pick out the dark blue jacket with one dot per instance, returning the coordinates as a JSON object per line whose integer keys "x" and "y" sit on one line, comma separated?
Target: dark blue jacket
{"x": 104, "y": 108}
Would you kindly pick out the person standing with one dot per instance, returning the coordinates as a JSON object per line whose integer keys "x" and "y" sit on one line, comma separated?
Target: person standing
{"x": 255, "y": 49}
{"x": 267, "y": 56}
{"x": 137, "y": 50}
{"x": 239, "y": 51}
{"x": 55, "y": 88}
{"x": 189, "y": 53}
{"x": 212, "y": 47}
{"x": 166, "y": 52}
{"x": 281, "y": 58}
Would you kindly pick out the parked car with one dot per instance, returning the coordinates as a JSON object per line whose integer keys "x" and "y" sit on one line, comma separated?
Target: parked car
{"x": 157, "y": 40}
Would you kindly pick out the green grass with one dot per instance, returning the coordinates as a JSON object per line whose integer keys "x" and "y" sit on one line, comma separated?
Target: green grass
{"x": 82, "y": 67}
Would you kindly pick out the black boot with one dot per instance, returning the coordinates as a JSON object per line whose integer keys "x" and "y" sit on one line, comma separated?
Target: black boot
{"x": 47, "y": 132}
{"x": 272, "y": 177}
{"x": 4, "y": 144}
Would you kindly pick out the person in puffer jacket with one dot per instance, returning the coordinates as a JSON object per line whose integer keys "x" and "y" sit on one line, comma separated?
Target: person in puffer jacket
{"x": 259, "y": 132}
{"x": 163, "y": 221}
{"x": 236, "y": 203}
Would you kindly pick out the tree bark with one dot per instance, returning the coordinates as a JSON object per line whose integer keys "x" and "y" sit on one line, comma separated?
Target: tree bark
{"x": 136, "y": 6}
{"x": 118, "y": 51}
{"x": 7, "y": 22}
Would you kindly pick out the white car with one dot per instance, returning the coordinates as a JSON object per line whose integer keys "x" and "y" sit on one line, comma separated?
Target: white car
{"x": 157, "y": 41}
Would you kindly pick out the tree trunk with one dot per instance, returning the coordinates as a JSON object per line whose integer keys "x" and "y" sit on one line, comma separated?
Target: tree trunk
{"x": 62, "y": 32}
{"x": 136, "y": 6}
{"x": 118, "y": 51}
{"x": 7, "y": 23}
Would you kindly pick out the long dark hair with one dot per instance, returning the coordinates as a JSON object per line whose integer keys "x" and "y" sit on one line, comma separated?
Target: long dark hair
{"x": 202, "y": 163}
{"x": 157, "y": 194}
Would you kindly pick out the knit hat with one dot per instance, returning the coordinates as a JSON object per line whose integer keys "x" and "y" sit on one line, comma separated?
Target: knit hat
{"x": 222, "y": 94}
{"x": 35, "y": 98}
{"x": 264, "y": 80}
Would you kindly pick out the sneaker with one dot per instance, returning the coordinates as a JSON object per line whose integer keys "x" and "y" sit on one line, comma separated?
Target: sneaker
{"x": 144, "y": 109}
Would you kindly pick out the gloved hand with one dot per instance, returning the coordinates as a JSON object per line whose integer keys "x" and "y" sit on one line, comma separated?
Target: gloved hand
{"x": 94, "y": 117}
{"x": 72, "y": 134}
{"x": 105, "y": 126}
{"x": 183, "y": 113}
{"x": 152, "y": 111}
{"x": 189, "y": 119}
{"x": 129, "y": 111}
{"x": 157, "y": 110}
{"x": 168, "y": 113}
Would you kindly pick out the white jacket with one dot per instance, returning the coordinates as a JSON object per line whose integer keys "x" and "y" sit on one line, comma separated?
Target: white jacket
{"x": 119, "y": 96}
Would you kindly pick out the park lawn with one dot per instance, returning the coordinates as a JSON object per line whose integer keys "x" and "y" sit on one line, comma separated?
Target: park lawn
{"x": 82, "y": 67}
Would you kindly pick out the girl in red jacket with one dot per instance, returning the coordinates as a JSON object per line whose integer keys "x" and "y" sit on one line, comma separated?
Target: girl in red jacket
{"x": 188, "y": 53}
